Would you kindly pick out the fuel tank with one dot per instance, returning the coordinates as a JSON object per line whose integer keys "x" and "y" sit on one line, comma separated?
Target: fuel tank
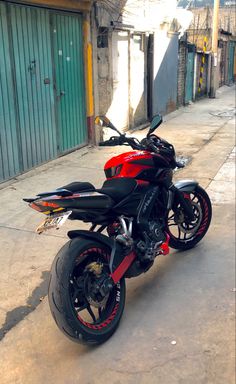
{"x": 141, "y": 165}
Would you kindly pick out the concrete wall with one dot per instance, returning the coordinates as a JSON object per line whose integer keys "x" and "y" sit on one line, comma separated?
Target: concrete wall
{"x": 104, "y": 73}
{"x": 121, "y": 70}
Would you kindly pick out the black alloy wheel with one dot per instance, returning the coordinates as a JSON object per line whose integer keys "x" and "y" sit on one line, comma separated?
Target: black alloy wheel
{"x": 79, "y": 308}
{"x": 185, "y": 234}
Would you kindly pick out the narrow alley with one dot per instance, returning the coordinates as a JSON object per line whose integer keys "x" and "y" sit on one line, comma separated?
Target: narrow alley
{"x": 178, "y": 324}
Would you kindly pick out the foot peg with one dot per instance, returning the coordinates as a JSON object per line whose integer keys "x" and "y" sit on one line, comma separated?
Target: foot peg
{"x": 164, "y": 248}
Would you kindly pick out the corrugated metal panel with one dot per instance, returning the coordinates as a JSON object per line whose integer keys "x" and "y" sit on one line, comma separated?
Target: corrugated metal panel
{"x": 34, "y": 84}
{"x": 29, "y": 135}
{"x": 9, "y": 156}
{"x": 72, "y": 5}
{"x": 70, "y": 88}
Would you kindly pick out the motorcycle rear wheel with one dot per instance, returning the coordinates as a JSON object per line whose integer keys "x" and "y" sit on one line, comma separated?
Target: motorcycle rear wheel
{"x": 184, "y": 234}
{"x": 71, "y": 293}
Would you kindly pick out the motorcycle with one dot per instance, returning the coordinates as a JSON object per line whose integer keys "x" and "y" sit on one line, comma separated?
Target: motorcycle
{"x": 135, "y": 216}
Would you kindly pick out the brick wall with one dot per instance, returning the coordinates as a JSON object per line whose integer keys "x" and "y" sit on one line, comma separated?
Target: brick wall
{"x": 181, "y": 74}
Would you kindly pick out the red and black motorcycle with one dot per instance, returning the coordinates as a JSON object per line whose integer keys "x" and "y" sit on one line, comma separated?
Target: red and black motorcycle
{"x": 136, "y": 215}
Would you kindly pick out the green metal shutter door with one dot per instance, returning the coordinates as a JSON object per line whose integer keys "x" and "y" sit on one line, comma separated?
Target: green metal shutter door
{"x": 231, "y": 62}
{"x": 34, "y": 84}
{"x": 29, "y": 134}
{"x": 189, "y": 78}
{"x": 69, "y": 80}
{"x": 9, "y": 155}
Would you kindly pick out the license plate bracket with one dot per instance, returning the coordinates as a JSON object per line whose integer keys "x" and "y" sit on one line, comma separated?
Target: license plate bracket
{"x": 54, "y": 221}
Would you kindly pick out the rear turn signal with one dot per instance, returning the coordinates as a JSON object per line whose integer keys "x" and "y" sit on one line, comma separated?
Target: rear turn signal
{"x": 40, "y": 206}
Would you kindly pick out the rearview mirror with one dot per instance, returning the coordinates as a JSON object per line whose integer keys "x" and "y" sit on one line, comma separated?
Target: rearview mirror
{"x": 156, "y": 121}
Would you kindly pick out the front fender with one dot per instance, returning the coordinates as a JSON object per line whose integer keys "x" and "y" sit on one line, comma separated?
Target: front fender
{"x": 186, "y": 185}
{"x": 117, "y": 253}
{"x": 178, "y": 190}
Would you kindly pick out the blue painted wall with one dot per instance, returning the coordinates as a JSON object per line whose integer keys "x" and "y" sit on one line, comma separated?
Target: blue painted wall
{"x": 165, "y": 73}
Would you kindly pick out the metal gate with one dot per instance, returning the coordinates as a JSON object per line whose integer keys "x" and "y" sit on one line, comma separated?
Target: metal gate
{"x": 69, "y": 81}
{"x": 231, "y": 62}
{"x": 9, "y": 153}
{"x": 202, "y": 72}
{"x": 223, "y": 63}
{"x": 34, "y": 85}
{"x": 37, "y": 120}
{"x": 189, "y": 77}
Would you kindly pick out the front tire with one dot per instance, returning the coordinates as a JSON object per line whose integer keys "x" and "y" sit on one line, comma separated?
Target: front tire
{"x": 74, "y": 308}
{"x": 183, "y": 234}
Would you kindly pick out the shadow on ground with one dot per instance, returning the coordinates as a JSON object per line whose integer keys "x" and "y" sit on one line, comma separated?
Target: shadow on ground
{"x": 14, "y": 316}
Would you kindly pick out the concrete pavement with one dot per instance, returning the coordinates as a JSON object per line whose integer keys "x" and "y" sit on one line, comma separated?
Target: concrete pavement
{"x": 187, "y": 297}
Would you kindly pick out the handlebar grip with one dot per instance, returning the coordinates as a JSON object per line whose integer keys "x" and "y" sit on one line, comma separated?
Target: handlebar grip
{"x": 179, "y": 164}
{"x": 153, "y": 147}
{"x": 102, "y": 144}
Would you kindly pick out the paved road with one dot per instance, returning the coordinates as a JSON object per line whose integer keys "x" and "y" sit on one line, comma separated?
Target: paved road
{"x": 187, "y": 297}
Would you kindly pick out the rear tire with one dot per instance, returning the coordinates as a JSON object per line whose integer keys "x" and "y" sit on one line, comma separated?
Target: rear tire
{"x": 66, "y": 293}
{"x": 184, "y": 235}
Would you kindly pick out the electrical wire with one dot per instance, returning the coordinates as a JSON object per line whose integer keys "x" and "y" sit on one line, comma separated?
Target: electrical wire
{"x": 107, "y": 10}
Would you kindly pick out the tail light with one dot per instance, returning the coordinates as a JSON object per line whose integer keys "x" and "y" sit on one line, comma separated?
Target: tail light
{"x": 45, "y": 206}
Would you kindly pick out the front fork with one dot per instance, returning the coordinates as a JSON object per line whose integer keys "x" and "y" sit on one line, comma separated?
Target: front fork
{"x": 175, "y": 193}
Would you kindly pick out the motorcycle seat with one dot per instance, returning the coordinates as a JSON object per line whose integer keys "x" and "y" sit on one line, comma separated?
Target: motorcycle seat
{"x": 78, "y": 186}
{"x": 118, "y": 188}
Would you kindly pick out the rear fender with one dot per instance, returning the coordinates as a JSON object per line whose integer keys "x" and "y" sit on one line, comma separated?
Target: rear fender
{"x": 117, "y": 253}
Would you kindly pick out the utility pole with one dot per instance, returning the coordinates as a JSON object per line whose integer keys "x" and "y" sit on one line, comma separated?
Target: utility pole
{"x": 214, "y": 49}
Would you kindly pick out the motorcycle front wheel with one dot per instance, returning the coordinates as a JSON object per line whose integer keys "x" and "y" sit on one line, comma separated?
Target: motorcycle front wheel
{"x": 78, "y": 308}
{"x": 185, "y": 234}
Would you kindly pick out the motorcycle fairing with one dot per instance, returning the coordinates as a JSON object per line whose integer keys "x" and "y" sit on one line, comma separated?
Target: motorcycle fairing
{"x": 135, "y": 164}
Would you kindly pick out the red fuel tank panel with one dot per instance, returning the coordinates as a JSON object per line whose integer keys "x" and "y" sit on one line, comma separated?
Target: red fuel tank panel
{"x": 128, "y": 164}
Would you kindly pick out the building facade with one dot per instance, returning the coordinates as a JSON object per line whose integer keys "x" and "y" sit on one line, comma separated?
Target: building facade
{"x": 195, "y": 60}
{"x": 201, "y": 28}
{"x": 135, "y": 59}
{"x": 64, "y": 61}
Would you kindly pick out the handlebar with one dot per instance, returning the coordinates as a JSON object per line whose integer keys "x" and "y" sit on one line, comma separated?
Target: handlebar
{"x": 122, "y": 140}
{"x": 113, "y": 141}
{"x": 151, "y": 143}
{"x": 148, "y": 144}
